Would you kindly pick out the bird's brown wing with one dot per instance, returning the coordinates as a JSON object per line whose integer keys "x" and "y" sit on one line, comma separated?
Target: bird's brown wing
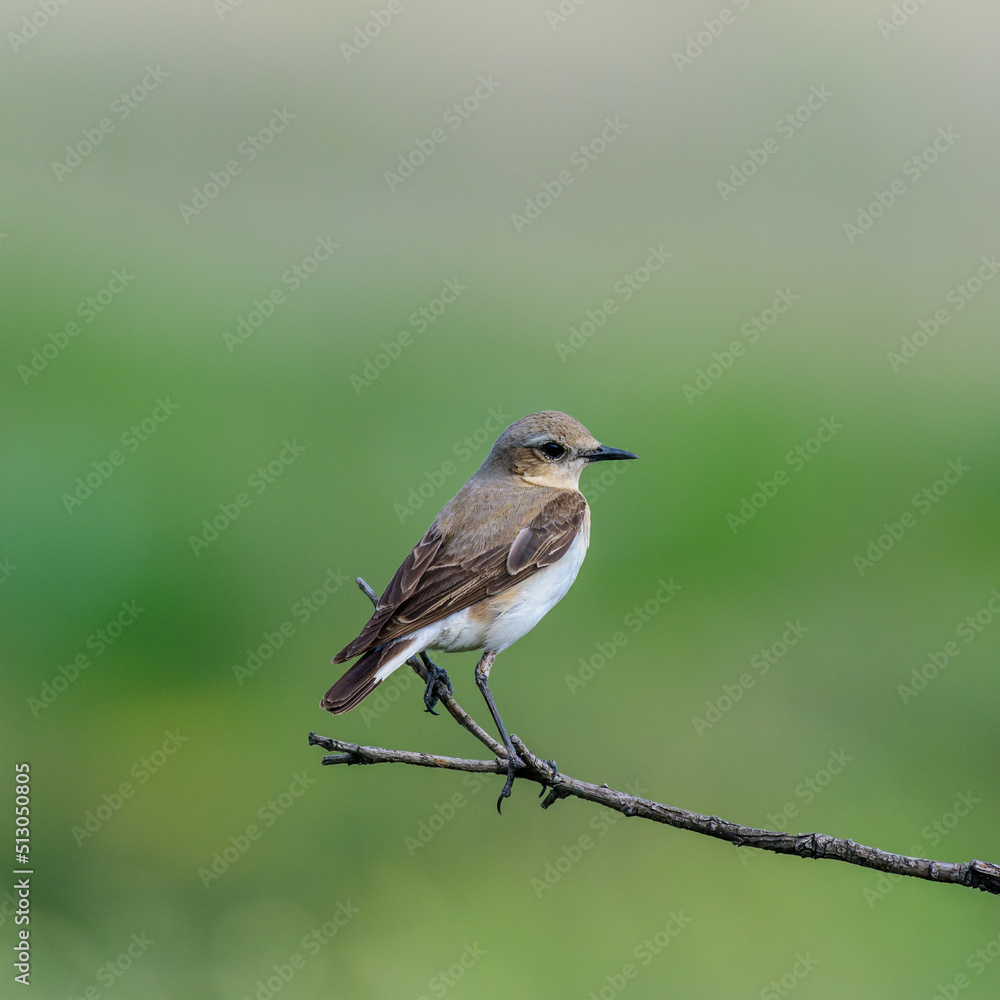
{"x": 434, "y": 581}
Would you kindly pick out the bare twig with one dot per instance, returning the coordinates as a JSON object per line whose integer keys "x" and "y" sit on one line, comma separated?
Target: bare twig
{"x": 982, "y": 875}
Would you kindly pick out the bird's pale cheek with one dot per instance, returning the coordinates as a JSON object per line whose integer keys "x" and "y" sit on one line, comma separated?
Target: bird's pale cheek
{"x": 557, "y": 477}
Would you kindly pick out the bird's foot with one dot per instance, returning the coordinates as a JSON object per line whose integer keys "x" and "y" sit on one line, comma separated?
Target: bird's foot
{"x": 552, "y": 777}
{"x": 438, "y": 684}
{"x": 513, "y": 763}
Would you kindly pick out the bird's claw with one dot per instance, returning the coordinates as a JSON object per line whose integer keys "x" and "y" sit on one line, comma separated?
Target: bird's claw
{"x": 552, "y": 777}
{"x": 513, "y": 763}
{"x": 435, "y": 676}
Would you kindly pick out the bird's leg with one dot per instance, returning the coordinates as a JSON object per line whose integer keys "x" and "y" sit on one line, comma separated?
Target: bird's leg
{"x": 435, "y": 676}
{"x": 513, "y": 761}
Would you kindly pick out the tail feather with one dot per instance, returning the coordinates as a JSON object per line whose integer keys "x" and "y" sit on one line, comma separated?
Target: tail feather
{"x": 367, "y": 636}
{"x": 366, "y": 675}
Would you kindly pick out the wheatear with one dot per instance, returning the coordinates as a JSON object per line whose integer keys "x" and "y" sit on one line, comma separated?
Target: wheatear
{"x": 502, "y": 552}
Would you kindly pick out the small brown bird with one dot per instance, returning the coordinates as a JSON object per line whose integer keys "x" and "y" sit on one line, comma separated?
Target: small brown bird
{"x": 502, "y": 552}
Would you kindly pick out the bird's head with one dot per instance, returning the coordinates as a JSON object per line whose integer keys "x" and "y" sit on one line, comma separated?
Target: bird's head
{"x": 548, "y": 449}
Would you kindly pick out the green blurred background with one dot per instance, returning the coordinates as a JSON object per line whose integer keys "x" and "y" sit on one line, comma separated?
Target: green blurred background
{"x": 824, "y": 739}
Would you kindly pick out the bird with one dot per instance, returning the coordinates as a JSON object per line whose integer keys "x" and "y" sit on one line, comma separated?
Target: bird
{"x": 499, "y": 555}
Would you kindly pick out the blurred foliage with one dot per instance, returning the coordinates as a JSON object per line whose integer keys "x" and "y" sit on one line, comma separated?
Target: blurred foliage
{"x": 233, "y": 352}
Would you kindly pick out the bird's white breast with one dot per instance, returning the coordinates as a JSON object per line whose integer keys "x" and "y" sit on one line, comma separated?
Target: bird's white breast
{"x": 500, "y": 621}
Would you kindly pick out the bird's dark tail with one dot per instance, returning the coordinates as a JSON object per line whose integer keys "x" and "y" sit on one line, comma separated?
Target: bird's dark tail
{"x": 366, "y": 675}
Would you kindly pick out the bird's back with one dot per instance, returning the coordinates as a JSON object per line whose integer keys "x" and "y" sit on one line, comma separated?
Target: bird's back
{"x": 461, "y": 558}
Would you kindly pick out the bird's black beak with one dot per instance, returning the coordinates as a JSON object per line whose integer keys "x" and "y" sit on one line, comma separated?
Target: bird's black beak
{"x": 606, "y": 454}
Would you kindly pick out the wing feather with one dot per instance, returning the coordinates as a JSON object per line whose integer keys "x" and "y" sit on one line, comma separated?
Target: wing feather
{"x": 434, "y": 581}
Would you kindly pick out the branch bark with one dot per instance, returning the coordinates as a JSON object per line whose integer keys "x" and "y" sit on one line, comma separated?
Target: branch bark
{"x": 982, "y": 875}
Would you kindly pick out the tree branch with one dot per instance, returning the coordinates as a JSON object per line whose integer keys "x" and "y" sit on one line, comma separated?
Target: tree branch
{"x": 982, "y": 875}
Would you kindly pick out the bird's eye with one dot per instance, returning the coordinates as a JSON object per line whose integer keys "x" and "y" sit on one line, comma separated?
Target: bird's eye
{"x": 552, "y": 449}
